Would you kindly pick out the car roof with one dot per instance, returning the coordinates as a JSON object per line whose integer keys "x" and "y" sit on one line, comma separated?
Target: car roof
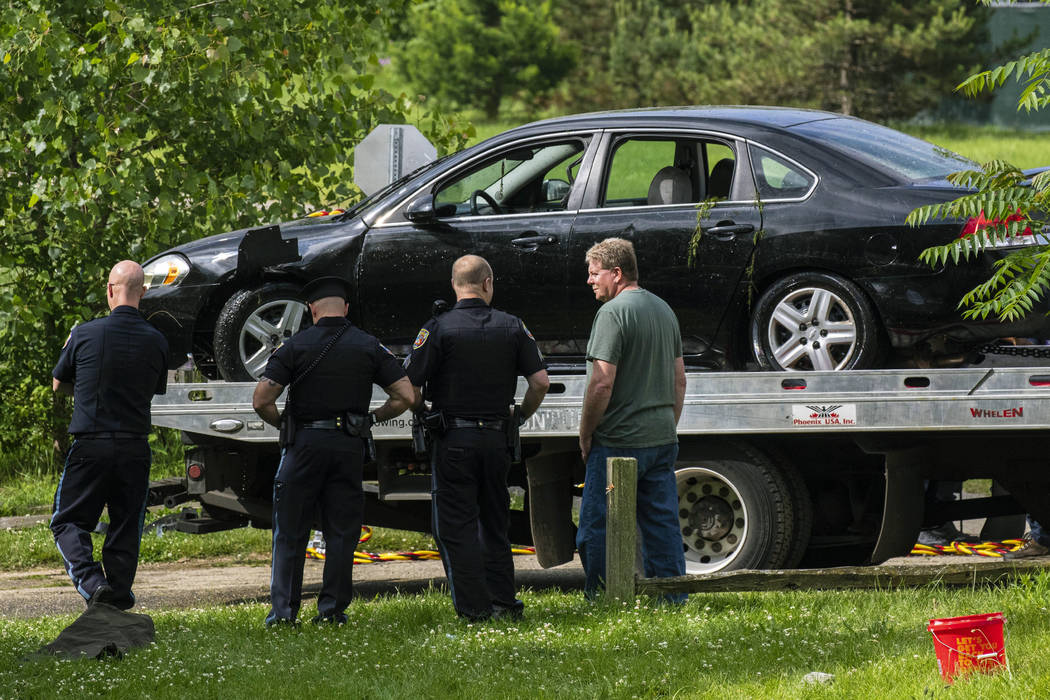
{"x": 739, "y": 115}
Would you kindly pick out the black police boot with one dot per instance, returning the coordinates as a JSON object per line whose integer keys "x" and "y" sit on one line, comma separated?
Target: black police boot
{"x": 512, "y": 612}
{"x": 103, "y": 594}
{"x": 334, "y": 619}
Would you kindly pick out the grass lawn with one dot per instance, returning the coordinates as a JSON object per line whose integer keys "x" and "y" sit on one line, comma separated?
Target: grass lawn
{"x": 747, "y": 645}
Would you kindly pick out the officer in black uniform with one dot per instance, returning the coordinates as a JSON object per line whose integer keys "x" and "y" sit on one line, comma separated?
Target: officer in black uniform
{"x": 467, "y": 362}
{"x": 330, "y": 368}
{"x": 111, "y": 367}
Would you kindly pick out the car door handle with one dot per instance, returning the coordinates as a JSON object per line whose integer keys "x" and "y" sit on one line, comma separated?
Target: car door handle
{"x": 727, "y": 230}
{"x": 533, "y": 242}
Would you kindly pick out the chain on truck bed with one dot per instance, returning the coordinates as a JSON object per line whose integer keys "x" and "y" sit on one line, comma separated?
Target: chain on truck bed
{"x": 1042, "y": 351}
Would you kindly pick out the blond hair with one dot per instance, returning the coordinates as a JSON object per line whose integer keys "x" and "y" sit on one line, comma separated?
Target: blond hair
{"x": 612, "y": 253}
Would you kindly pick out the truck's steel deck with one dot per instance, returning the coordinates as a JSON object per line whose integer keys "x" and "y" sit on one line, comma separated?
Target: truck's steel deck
{"x": 716, "y": 403}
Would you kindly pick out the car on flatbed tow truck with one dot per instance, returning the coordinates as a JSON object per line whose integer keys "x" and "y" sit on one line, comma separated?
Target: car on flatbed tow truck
{"x": 777, "y": 235}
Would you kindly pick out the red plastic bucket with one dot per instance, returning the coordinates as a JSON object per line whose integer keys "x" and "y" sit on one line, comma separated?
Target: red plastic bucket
{"x": 965, "y": 644}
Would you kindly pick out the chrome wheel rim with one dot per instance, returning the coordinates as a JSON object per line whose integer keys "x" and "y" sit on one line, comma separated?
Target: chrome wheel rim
{"x": 266, "y": 328}
{"x": 812, "y": 329}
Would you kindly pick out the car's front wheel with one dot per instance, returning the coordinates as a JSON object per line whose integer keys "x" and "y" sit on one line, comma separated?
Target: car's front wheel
{"x": 815, "y": 321}
{"x": 252, "y": 324}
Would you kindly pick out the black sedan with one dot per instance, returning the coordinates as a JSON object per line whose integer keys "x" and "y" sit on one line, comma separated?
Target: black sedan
{"x": 777, "y": 235}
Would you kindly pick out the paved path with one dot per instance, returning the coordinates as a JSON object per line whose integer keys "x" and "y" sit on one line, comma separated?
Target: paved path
{"x": 40, "y": 592}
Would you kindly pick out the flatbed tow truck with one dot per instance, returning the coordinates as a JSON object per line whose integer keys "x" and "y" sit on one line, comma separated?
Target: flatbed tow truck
{"x": 775, "y": 470}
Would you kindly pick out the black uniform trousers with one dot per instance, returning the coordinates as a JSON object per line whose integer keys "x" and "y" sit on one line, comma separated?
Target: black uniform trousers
{"x": 111, "y": 473}
{"x": 320, "y": 473}
{"x": 471, "y": 520}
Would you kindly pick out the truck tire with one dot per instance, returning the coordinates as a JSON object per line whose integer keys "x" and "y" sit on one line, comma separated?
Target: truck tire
{"x": 735, "y": 512}
{"x": 802, "y": 508}
{"x": 252, "y": 324}
{"x": 815, "y": 321}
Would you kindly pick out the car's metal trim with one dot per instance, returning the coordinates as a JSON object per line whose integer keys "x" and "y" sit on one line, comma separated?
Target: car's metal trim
{"x": 482, "y": 217}
{"x": 381, "y": 220}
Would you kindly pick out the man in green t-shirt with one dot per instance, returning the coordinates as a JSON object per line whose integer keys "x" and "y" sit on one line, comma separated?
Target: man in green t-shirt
{"x": 635, "y": 391}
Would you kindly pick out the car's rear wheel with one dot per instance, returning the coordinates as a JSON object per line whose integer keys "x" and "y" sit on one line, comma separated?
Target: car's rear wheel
{"x": 252, "y": 324}
{"x": 815, "y": 321}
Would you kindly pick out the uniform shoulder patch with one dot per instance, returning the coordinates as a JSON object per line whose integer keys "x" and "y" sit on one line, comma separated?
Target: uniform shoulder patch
{"x": 421, "y": 338}
{"x": 526, "y": 329}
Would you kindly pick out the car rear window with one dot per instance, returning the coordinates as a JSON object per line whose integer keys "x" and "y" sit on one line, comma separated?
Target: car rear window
{"x": 884, "y": 148}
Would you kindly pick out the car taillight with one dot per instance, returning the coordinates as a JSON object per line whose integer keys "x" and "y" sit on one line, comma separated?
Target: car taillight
{"x": 195, "y": 472}
{"x": 975, "y": 224}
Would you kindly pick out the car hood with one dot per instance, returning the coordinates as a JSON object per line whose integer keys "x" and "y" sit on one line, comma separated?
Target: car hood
{"x": 215, "y": 257}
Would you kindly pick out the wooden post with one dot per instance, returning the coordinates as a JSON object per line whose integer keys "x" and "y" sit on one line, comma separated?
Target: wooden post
{"x": 621, "y": 497}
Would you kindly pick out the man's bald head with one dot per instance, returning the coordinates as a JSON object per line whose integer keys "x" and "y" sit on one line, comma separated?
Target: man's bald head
{"x": 125, "y": 287}
{"x": 472, "y": 278}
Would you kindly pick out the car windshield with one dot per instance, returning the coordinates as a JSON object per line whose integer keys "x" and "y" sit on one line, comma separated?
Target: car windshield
{"x": 885, "y": 148}
{"x": 378, "y": 195}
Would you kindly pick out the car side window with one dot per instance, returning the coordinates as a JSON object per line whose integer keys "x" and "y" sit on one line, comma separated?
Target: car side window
{"x": 525, "y": 179}
{"x": 778, "y": 178}
{"x": 659, "y": 170}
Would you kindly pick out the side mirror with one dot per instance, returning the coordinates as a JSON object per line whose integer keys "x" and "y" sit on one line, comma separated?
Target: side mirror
{"x": 555, "y": 190}
{"x": 421, "y": 210}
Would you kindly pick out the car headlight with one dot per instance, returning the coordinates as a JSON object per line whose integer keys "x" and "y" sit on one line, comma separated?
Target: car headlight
{"x": 166, "y": 271}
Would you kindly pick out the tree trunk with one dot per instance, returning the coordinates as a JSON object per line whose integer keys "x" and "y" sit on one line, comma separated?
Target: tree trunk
{"x": 845, "y": 101}
{"x": 492, "y": 101}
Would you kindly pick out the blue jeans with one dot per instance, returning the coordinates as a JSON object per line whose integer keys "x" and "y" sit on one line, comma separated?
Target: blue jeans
{"x": 1037, "y": 532}
{"x": 657, "y": 515}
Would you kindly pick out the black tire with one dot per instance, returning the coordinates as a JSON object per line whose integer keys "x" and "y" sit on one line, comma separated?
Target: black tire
{"x": 802, "y": 508}
{"x": 252, "y": 324}
{"x": 735, "y": 511}
{"x": 791, "y": 332}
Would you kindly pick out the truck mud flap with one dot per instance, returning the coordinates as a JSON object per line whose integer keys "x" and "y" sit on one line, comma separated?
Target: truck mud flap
{"x": 902, "y": 510}
{"x": 550, "y": 508}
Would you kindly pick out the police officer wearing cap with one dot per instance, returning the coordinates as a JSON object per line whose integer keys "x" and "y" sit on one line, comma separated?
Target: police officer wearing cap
{"x": 330, "y": 369}
{"x": 467, "y": 362}
{"x": 112, "y": 367}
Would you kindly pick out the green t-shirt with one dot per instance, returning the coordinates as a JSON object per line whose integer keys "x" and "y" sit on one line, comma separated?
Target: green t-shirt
{"x": 637, "y": 331}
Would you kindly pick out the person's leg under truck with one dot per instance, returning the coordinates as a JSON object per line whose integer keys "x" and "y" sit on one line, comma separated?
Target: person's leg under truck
{"x": 590, "y": 536}
{"x": 457, "y": 465}
{"x": 126, "y": 492}
{"x": 494, "y": 520}
{"x": 342, "y": 503}
{"x": 295, "y": 490}
{"x": 657, "y": 514}
{"x": 79, "y": 500}
{"x": 1037, "y": 533}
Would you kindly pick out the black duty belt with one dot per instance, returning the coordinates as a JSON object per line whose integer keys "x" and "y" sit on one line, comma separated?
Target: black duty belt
{"x": 326, "y": 424}
{"x": 498, "y": 424}
{"x": 115, "y": 435}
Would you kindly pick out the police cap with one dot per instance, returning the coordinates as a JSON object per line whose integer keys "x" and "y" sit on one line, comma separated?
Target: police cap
{"x": 323, "y": 287}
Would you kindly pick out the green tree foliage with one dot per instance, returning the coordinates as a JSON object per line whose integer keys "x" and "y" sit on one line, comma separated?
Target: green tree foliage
{"x": 473, "y": 53}
{"x": 128, "y": 126}
{"x": 1004, "y": 203}
{"x": 871, "y": 58}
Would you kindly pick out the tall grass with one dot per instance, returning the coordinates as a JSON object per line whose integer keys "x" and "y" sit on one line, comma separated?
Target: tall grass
{"x": 743, "y": 645}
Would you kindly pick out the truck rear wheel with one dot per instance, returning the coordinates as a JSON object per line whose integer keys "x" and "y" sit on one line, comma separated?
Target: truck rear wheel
{"x": 735, "y": 512}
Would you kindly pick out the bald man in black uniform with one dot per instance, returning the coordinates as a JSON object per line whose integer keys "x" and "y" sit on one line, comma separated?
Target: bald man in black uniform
{"x": 331, "y": 368}
{"x": 111, "y": 367}
{"x": 467, "y": 362}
